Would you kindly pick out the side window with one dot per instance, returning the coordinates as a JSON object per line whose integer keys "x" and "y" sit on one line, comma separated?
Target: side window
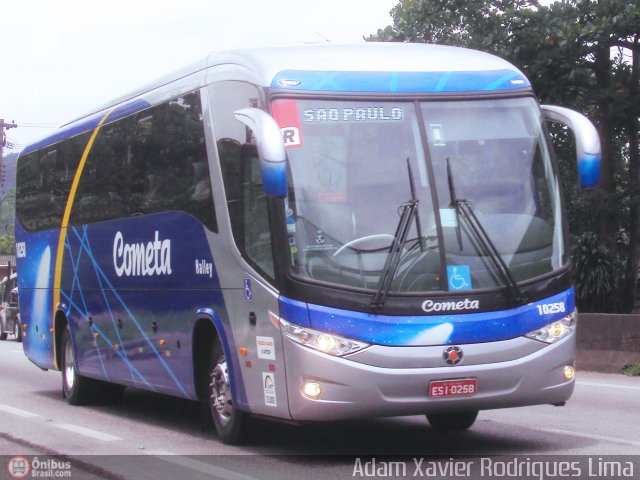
{"x": 246, "y": 201}
{"x": 98, "y": 196}
{"x": 257, "y": 234}
{"x": 44, "y": 180}
{"x": 29, "y": 200}
{"x": 153, "y": 161}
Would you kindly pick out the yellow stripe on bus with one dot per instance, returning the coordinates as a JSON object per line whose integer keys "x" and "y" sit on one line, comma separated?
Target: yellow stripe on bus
{"x": 63, "y": 230}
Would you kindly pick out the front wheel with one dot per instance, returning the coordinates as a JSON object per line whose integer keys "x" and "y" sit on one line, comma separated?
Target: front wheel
{"x": 452, "y": 421}
{"x": 230, "y": 422}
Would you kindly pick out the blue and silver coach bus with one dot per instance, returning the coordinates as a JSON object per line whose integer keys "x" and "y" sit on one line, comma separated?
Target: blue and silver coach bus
{"x": 311, "y": 233}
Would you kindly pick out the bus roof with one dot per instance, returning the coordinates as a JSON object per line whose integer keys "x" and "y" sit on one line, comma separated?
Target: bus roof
{"x": 360, "y": 68}
{"x": 268, "y": 63}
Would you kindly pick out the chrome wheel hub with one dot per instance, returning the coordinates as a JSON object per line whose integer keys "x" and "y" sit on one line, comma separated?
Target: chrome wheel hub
{"x": 69, "y": 366}
{"x": 219, "y": 392}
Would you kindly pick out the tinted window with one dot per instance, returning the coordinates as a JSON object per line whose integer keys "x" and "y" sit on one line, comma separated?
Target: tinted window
{"x": 150, "y": 162}
{"x": 153, "y": 161}
{"x": 44, "y": 179}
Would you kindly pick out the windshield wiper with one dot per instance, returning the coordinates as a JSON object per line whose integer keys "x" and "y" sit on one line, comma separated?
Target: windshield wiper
{"x": 409, "y": 213}
{"x": 463, "y": 207}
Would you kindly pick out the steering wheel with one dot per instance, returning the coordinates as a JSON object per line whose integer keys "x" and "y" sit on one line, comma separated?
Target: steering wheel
{"x": 355, "y": 241}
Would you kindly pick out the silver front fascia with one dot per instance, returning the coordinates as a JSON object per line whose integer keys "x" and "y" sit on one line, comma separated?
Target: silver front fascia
{"x": 358, "y": 390}
{"x": 431, "y": 357}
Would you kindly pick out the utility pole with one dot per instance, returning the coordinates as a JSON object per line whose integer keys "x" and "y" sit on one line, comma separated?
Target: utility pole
{"x": 3, "y": 142}
{"x": 3, "y": 138}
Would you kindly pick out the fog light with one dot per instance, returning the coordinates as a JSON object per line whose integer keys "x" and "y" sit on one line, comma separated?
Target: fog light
{"x": 569, "y": 372}
{"x": 312, "y": 390}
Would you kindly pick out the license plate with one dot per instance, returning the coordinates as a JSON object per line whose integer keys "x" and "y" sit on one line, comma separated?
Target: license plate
{"x": 453, "y": 388}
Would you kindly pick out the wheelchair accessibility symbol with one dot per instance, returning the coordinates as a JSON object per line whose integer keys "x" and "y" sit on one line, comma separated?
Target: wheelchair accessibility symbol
{"x": 459, "y": 277}
{"x": 248, "y": 294}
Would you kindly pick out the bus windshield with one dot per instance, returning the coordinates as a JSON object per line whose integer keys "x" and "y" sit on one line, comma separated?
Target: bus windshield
{"x": 350, "y": 170}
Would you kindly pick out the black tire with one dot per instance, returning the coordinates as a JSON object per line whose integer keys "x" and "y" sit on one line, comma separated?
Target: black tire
{"x": 3, "y": 334}
{"x": 75, "y": 388}
{"x": 17, "y": 330}
{"x": 452, "y": 422}
{"x": 230, "y": 422}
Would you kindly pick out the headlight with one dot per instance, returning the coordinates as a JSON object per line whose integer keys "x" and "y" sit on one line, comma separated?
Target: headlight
{"x": 321, "y": 341}
{"x": 555, "y": 331}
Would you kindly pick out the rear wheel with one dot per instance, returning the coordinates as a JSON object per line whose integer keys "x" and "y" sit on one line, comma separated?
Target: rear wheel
{"x": 230, "y": 422}
{"x": 75, "y": 388}
{"x": 452, "y": 421}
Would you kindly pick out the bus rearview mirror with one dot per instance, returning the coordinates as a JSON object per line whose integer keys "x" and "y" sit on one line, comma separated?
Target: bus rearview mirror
{"x": 271, "y": 153}
{"x": 587, "y": 142}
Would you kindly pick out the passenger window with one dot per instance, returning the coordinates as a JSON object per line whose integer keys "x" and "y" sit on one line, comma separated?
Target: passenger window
{"x": 153, "y": 161}
{"x": 44, "y": 179}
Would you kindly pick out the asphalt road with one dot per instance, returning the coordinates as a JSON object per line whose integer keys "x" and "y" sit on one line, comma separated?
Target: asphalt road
{"x": 152, "y": 436}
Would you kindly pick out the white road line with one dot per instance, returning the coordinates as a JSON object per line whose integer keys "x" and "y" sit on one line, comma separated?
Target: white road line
{"x": 17, "y": 411}
{"x": 206, "y": 468}
{"x": 607, "y": 385}
{"x": 154, "y": 453}
{"x": 601, "y": 438}
{"x": 87, "y": 432}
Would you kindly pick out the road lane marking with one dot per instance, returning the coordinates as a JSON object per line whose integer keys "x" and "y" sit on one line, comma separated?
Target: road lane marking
{"x": 607, "y": 385}
{"x": 87, "y": 432}
{"x": 601, "y": 438}
{"x": 155, "y": 453}
{"x": 206, "y": 468}
{"x": 17, "y": 411}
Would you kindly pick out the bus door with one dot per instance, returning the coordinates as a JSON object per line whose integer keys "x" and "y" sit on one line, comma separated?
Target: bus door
{"x": 258, "y": 353}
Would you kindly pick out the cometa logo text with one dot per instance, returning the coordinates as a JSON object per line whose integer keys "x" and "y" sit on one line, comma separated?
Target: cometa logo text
{"x": 140, "y": 259}
{"x": 466, "y": 304}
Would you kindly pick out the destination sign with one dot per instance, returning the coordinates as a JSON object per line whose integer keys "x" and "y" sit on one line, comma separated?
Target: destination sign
{"x": 360, "y": 114}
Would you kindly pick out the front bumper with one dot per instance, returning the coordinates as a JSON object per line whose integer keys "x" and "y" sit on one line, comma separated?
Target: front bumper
{"x": 354, "y": 389}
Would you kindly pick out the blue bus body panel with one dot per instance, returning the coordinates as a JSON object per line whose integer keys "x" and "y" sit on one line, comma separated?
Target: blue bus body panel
{"x": 400, "y": 82}
{"x": 119, "y": 278}
{"x": 35, "y": 285}
{"x": 426, "y": 330}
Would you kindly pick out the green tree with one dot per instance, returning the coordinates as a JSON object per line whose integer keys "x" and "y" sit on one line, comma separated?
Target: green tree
{"x": 7, "y": 220}
{"x": 8, "y": 212}
{"x": 578, "y": 53}
{"x": 7, "y": 245}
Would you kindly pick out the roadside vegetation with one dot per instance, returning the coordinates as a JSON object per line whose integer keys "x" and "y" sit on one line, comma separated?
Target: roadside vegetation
{"x": 7, "y": 219}
{"x": 631, "y": 370}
